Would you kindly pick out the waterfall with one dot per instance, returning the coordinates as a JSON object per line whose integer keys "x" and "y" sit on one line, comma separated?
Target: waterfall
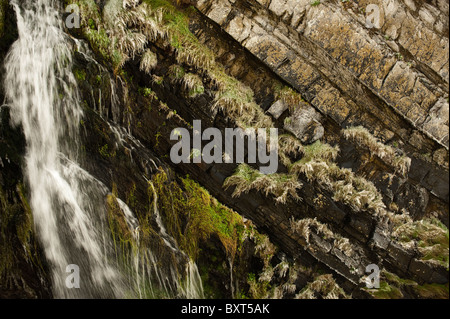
{"x": 42, "y": 93}
{"x": 68, "y": 204}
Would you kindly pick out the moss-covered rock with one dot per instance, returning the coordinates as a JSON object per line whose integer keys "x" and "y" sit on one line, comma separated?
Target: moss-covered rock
{"x": 395, "y": 287}
{"x": 23, "y": 268}
{"x": 2, "y": 16}
{"x": 192, "y": 215}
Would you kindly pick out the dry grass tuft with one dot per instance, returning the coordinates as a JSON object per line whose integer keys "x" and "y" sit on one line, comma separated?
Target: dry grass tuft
{"x": 364, "y": 138}
{"x": 176, "y": 72}
{"x": 193, "y": 84}
{"x": 305, "y": 225}
{"x": 279, "y": 185}
{"x": 324, "y": 287}
{"x": 149, "y": 61}
{"x": 430, "y": 237}
{"x": 288, "y": 145}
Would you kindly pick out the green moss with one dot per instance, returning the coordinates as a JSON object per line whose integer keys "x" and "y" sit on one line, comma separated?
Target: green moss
{"x": 132, "y": 200}
{"x": 432, "y": 291}
{"x": 24, "y": 223}
{"x": 116, "y": 220}
{"x": 16, "y": 232}
{"x": 189, "y": 49}
{"x": 387, "y": 291}
{"x": 396, "y": 280}
{"x": 95, "y": 33}
{"x": 432, "y": 237}
{"x": 148, "y": 92}
{"x": 104, "y": 151}
{"x": 192, "y": 215}
{"x": 258, "y": 289}
{"x": 6, "y": 253}
{"x": 287, "y": 94}
{"x": 80, "y": 74}
{"x": 2, "y": 16}
{"x": 393, "y": 287}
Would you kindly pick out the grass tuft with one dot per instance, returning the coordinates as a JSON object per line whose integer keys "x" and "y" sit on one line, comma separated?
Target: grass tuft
{"x": 364, "y": 138}
{"x": 193, "y": 84}
{"x": 279, "y": 185}
{"x": 429, "y": 235}
{"x": 323, "y": 287}
{"x": 149, "y": 61}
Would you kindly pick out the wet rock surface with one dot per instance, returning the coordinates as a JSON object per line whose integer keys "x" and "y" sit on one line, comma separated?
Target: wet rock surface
{"x": 392, "y": 79}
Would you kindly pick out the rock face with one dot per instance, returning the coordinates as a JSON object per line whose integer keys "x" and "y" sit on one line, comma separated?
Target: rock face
{"x": 335, "y": 81}
{"x": 379, "y": 64}
{"x": 335, "y": 61}
{"x": 304, "y": 123}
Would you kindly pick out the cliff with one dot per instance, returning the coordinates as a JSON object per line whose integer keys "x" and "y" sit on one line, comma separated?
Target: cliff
{"x": 362, "y": 115}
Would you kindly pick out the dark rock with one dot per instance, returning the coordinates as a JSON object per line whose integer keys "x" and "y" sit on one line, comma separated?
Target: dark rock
{"x": 380, "y": 240}
{"x": 421, "y": 270}
{"x": 398, "y": 257}
{"x": 439, "y": 277}
{"x": 414, "y": 198}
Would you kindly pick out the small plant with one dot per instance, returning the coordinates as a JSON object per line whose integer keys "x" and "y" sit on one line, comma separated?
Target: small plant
{"x": 431, "y": 236}
{"x": 176, "y": 72}
{"x": 149, "y": 61}
{"x": 232, "y": 96}
{"x": 193, "y": 83}
{"x": 315, "y": 3}
{"x": 304, "y": 227}
{"x": 399, "y": 56}
{"x": 352, "y": 190}
{"x": 148, "y": 92}
{"x": 288, "y": 145}
{"x": 80, "y": 75}
{"x": 105, "y": 152}
{"x": 157, "y": 79}
{"x": 319, "y": 152}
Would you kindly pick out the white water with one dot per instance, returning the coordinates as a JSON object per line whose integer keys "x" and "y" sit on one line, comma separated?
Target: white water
{"x": 68, "y": 203}
{"x": 146, "y": 268}
{"x": 42, "y": 93}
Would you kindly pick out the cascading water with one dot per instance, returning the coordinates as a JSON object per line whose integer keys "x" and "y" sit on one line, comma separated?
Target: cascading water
{"x": 68, "y": 203}
{"x": 42, "y": 93}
